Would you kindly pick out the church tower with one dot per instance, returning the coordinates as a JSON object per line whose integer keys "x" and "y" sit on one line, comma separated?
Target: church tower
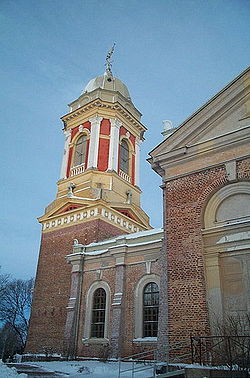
{"x": 98, "y": 197}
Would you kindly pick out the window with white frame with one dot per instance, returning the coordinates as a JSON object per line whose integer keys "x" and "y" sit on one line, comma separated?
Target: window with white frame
{"x": 150, "y": 309}
{"x": 98, "y": 313}
{"x": 96, "y": 318}
{"x": 147, "y": 307}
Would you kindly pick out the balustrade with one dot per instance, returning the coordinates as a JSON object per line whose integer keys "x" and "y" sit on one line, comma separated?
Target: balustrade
{"x": 124, "y": 175}
{"x": 77, "y": 170}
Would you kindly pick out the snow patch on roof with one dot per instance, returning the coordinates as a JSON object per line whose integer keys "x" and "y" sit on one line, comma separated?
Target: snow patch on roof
{"x": 135, "y": 235}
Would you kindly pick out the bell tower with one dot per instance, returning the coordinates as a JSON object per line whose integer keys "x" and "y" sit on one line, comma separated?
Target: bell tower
{"x": 98, "y": 197}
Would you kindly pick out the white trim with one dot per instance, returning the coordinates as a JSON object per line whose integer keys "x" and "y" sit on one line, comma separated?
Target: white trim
{"x": 138, "y": 301}
{"x": 67, "y": 134}
{"x": 114, "y": 143}
{"x": 137, "y": 161}
{"x": 94, "y": 141}
{"x": 88, "y": 313}
{"x": 214, "y": 202}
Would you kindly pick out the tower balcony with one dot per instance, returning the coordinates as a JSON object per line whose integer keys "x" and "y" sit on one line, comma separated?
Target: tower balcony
{"x": 77, "y": 170}
{"x": 125, "y": 176}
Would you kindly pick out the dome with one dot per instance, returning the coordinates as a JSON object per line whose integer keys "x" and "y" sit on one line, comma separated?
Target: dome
{"x": 107, "y": 82}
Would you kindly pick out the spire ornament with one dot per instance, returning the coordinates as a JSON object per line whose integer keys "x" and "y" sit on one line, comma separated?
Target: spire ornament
{"x": 108, "y": 63}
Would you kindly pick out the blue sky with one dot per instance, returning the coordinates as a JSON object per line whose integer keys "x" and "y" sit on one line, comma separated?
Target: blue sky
{"x": 172, "y": 55}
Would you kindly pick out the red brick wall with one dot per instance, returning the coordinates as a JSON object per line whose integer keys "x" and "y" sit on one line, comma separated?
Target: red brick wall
{"x": 103, "y": 154}
{"x": 243, "y": 169}
{"x": 105, "y": 127}
{"x": 132, "y": 276}
{"x": 94, "y": 350}
{"x": 53, "y": 280}
{"x": 186, "y": 199}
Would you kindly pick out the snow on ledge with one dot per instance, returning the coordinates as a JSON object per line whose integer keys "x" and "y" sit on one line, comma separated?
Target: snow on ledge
{"x": 145, "y": 340}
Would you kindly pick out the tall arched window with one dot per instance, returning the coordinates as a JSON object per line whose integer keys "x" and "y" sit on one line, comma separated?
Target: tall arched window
{"x": 80, "y": 150}
{"x": 150, "y": 309}
{"x": 124, "y": 156}
{"x": 98, "y": 313}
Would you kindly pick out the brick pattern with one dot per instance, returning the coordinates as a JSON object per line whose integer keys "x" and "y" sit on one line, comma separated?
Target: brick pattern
{"x": 185, "y": 201}
{"x": 53, "y": 283}
{"x": 125, "y": 345}
{"x": 243, "y": 169}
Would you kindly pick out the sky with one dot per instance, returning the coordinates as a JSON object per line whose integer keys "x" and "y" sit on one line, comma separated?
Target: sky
{"x": 173, "y": 55}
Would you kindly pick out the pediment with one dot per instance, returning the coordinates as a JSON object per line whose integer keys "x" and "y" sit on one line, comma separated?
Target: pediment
{"x": 225, "y": 114}
{"x": 65, "y": 207}
{"x": 128, "y": 212}
{"x": 68, "y": 207}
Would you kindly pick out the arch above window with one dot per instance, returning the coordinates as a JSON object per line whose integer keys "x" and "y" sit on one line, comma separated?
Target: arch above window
{"x": 150, "y": 309}
{"x": 124, "y": 156}
{"x": 230, "y": 204}
{"x": 97, "y": 313}
{"x": 80, "y": 150}
{"x": 146, "y": 306}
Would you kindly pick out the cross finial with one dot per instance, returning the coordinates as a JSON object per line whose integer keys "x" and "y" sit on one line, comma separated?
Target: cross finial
{"x": 108, "y": 63}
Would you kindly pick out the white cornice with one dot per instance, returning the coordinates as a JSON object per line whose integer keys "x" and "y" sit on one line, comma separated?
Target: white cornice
{"x": 218, "y": 105}
{"x": 198, "y": 151}
{"x": 82, "y": 215}
{"x": 99, "y": 104}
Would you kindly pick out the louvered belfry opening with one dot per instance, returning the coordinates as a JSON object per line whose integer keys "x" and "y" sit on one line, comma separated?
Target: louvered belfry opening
{"x": 150, "y": 309}
{"x": 98, "y": 313}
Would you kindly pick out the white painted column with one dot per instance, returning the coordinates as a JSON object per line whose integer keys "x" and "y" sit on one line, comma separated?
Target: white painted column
{"x": 94, "y": 141}
{"x": 114, "y": 144}
{"x": 137, "y": 161}
{"x": 67, "y": 134}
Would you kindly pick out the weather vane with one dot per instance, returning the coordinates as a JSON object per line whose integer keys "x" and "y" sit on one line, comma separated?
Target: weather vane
{"x": 108, "y": 63}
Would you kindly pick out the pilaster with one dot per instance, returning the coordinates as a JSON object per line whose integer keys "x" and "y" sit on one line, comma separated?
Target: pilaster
{"x": 72, "y": 319}
{"x": 94, "y": 141}
{"x": 116, "y": 339}
{"x": 114, "y": 143}
{"x": 67, "y": 134}
{"x": 214, "y": 289}
{"x": 137, "y": 161}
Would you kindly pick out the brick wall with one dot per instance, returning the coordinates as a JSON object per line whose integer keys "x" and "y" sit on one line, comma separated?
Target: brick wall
{"x": 133, "y": 273}
{"x": 53, "y": 280}
{"x": 186, "y": 199}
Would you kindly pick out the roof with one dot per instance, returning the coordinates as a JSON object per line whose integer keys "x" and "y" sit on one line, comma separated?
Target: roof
{"x": 107, "y": 82}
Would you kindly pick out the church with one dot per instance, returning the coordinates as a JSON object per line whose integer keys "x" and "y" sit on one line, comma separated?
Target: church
{"x": 109, "y": 285}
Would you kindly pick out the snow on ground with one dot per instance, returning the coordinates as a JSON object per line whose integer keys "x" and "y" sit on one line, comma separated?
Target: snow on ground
{"x": 6, "y": 372}
{"x": 93, "y": 369}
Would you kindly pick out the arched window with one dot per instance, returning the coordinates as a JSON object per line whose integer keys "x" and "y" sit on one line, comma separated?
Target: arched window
{"x": 124, "y": 156}
{"x": 150, "y": 309}
{"x": 80, "y": 150}
{"x": 98, "y": 313}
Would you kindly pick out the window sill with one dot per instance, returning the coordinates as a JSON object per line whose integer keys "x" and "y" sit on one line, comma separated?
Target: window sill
{"x": 145, "y": 340}
{"x": 95, "y": 340}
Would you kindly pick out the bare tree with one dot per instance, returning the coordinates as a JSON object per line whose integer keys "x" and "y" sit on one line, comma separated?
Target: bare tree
{"x": 10, "y": 342}
{"x": 4, "y": 280}
{"x": 234, "y": 347}
{"x": 15, "y": 305}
